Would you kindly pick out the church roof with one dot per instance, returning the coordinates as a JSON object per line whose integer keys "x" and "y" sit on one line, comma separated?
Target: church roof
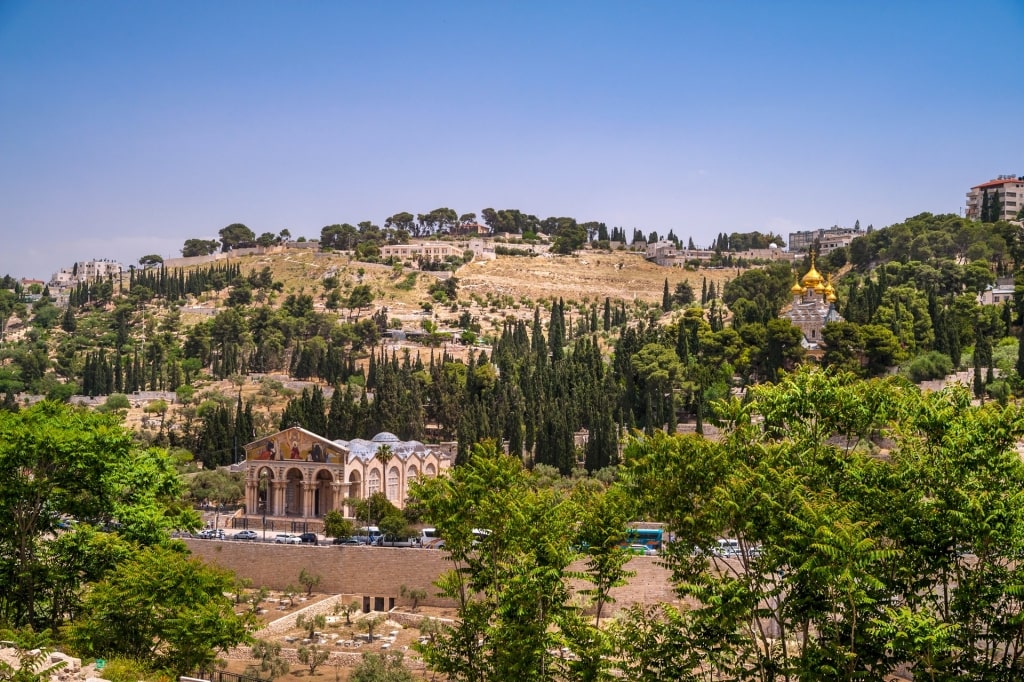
{"x": 360, "y": 448}
{"x": 813, "y": 278}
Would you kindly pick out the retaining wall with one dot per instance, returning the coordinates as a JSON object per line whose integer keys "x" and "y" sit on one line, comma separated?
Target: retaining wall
{"x": 381, "y": 571}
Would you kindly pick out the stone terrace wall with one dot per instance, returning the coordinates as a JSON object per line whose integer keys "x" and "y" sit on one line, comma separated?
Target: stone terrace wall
{"x": 381, "y": 571}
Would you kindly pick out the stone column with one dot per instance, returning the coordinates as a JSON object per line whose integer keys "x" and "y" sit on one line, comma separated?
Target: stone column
{"x": 337, "y": 497}
{"x": 307, "y": 499}
{"x": 252, "y": 496}
{"x": 278, "y": 498}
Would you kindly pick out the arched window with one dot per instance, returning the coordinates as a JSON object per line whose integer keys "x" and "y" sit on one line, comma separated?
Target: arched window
{"x": 412, "y": 473}
{"x": 393, "y": 484}
{"x": 373, "y": 483}
{"x": 429, "y": 470}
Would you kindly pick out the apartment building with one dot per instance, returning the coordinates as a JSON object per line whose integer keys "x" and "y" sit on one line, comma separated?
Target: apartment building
{"x": 85, "y": 271}
{"x": 999, "y": 199}
{"x": 823, "y": 240}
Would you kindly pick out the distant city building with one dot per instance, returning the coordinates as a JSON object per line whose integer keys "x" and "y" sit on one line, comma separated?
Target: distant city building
{"x": 1008, "y": 190}
{"x": 85, "y": 271}
{"x": 823, "y": 240}
{"x": 813, "y": 306}
{"x": 666, "y": 253}
{"x": 438, "y": 250}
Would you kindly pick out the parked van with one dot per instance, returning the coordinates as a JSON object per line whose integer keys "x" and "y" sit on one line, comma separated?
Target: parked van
{"x": 369, "y": 535}
{"x": 430, "y": 539}
{"x": 728, "y": 548}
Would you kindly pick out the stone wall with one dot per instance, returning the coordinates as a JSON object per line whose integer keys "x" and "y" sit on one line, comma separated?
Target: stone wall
{"x": 381, "y": 571}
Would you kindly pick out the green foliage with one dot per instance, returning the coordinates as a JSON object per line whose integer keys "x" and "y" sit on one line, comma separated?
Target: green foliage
{"x": 60, "y": 462}
{"x": 408, "y": 282}
{"x": 216, "y": 486}
{"x": 160, "y": 606}
{"x": 236, "y": 235}
{"x": 311, "y": 623}
{"x": 309, "y": 580}
{"x": 337, "y": 526}
{"x": 312, "y": 657}
{"x": 370, "y": 624}
{"x": 601, "y": 535}
{"x": 860, "y": 564}
{"x": 929, "y": 366}
{"x": 509, "y": 584}
{"x": 269, "y": 664}
{"x": 414, "y": 595}
{"x": 384, "y": 667}
{"x": 115, "y": 402}
{"x": 199, "y": 247}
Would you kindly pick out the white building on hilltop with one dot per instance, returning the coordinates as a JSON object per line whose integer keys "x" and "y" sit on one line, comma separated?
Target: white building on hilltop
{"x": 85, "y": 271}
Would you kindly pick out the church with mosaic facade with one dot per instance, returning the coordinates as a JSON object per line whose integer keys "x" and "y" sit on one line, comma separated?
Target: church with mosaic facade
{"x": 297, "y": 475}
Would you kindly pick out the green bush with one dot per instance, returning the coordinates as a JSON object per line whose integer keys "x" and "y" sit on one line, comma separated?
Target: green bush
{"x": 929, "y": 366}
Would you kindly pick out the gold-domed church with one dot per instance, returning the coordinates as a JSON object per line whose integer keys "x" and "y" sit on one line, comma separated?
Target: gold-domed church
{"x": 813, "y": 306}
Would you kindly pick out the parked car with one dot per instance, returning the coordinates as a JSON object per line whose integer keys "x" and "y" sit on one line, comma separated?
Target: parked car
{"x": 211, "y": 534}
{"x": 349, "y": 540}
{"x": 287, "y": 539}
{"x": 246, "y": 535}
{"x": 309, "y": 539}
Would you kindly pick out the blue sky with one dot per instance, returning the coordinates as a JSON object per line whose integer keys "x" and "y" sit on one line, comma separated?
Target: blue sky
{"x": 128, "y": 127}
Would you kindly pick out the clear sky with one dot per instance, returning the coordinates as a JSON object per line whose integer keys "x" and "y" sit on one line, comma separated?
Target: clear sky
{"x": 128, "y": 127}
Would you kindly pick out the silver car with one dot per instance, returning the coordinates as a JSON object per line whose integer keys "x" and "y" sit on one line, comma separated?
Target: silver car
{"x": 287, "y": 539}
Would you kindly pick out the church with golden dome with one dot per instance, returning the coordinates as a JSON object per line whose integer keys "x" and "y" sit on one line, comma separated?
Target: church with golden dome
{"x": 813, "y": 306}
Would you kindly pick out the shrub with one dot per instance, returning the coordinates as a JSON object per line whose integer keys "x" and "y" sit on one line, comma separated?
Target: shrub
{"x": 929, "y": 366}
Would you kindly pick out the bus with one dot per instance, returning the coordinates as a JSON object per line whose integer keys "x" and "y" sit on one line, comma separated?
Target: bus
{"x": 652, "y": 538}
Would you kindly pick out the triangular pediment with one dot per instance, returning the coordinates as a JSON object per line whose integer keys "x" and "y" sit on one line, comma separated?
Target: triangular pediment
{"x": 296, "y": 444}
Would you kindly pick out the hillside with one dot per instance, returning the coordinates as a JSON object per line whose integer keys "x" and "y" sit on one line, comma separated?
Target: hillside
{"x": 592, "y": 275}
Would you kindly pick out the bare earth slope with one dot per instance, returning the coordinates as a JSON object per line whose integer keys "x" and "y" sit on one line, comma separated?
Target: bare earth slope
{"x": 589, "y": 275}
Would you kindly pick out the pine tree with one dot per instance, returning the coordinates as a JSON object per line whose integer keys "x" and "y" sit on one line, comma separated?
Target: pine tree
{"x": 666, "y": 298}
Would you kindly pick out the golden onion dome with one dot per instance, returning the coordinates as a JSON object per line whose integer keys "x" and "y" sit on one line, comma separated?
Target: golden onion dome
{"x": 819, "y": 288}
{"x": 829, "y": 289}
{"x": 830, "y": 297}
{"x": 796, "y": 289}
{"x": 813, "y": 277}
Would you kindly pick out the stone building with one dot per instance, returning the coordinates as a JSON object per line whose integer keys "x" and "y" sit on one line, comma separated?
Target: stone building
{"x": 297, "y": 475}
{"x": 813, "y": 306}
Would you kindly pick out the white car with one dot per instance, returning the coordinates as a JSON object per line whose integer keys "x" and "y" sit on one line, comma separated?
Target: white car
{"x": 287, "y": 539}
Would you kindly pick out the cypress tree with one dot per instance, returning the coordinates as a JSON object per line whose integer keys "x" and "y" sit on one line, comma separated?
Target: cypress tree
{"x": 68, "y": 322}
{"x": 556, "y": 331}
